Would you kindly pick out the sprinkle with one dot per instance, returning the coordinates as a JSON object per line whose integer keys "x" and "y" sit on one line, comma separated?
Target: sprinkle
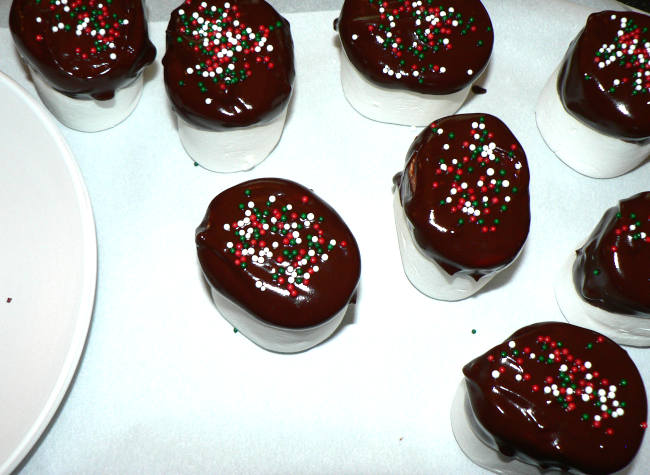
{"x": 298, "y": 248}
{"x": 566, "y": 381}
{"x": 436, "y": 30}
{"x": 628, "y": 60}
{"x": 87, "y": 19}
{"x": 230, "y": 50}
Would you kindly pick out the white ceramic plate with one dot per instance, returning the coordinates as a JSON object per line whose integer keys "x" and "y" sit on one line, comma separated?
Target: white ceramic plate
{"x": 48, "y": 270}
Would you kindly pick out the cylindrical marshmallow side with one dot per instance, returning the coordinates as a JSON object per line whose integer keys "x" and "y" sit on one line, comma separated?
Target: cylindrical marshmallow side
{"x": 394, "y": 106}
{"x": 623, "y": 329}
{"x": 231, "y": 150}
{"x": 271, "y": 337}
{"x": 89, "y": 115}
{"x": 579, "y": 146}
{"x": 425, "y": 274}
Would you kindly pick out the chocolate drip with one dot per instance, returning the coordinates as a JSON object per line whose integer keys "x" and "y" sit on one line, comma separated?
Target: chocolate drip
{"x": 434, "y": 48}
{"x": 607, "y": 88}
{"x": 243, "y": 79}
{"x": 530, "y": 397}
{"x": 459, "y": 160}
{"x": 478, "y": 89}
{"x": 612, "y": 269}
{"x": 74, "y": 60}
{"x": 304, "y": 235}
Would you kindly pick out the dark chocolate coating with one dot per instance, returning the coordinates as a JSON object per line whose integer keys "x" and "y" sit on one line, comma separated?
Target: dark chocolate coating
{"x": 83, "y": 66}
{"x": 612, "y": 269}
{"x": 258, "y": 86}
{"x": 305, "y": 302}
{"x": 445, "y": 171}
{"x": 523, "y": 415}
{"x": 606, "y": 98}
{"x": 441, "y": 55}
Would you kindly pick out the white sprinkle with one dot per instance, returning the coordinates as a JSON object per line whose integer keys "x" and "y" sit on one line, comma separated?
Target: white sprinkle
{"x": 495, "y": 374}
{"x": 208, "y": 100}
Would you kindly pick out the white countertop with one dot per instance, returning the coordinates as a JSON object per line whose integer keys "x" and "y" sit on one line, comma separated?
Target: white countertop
{"x": 166, "y": 386}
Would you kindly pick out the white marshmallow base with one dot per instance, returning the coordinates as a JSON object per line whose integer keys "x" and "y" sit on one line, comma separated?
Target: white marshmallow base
{"x": 231, "y": 150}
{"x": 425, "y": 274}
{"x": 471, "y": 439}
{"x": 273, "y": 337}
{"x": 89, "y": 115}
{"x": 579, "y": 146}
{"x": 623, "y": 329}
{"x": 392, "y": 105}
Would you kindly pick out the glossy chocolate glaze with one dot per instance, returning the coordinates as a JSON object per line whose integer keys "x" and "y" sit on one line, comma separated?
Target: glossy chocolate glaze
{"x": 465, "y": 193}
{"x": 87, "y": 64}
{"x": 248, "y": 79}
{"x": 317, "y": 244}
{"x": 528, "y": 395}
{"x": 608, "y": 88}
{"x": 431, "y": 49}
{"x": 612, "y": 269}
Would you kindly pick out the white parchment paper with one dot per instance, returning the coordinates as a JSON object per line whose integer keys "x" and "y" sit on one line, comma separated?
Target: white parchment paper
{"x": 166, "y": 386}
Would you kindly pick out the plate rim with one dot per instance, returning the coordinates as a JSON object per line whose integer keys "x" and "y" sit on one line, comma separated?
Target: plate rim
{"x": 88, "y": 289}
